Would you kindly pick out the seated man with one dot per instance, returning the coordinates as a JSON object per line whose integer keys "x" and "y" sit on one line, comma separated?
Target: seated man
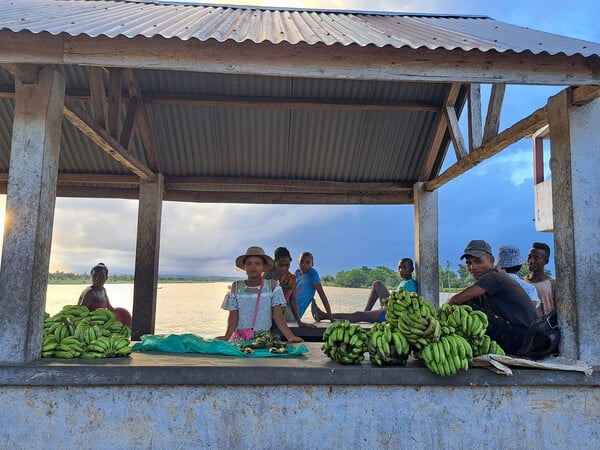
{"x": 378, "y": 292}
{"x": 511, "y": 261}
{"x": 508, "y": 307}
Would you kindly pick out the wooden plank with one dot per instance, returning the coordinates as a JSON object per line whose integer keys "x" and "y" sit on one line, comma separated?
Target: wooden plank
{"x": 538, "y": 160}
{"x": 84, "y": 122}
{"x": 492, "y": 119}
{"x": 98, "y": 95}
{"x": 261, "y": 184}
{"x": 457, "y": 140}
{"x": 441, "y": 128}
{"x": 133, "y": 109}
{"x": 238, "y": 101}
{"x": 313, "y": 61}
{"x": 474, "y": 118}
{"x": 114, "y": 102}
{"x": 24, "y": 73}
{"x": 521, "y": 129}
{"x": 584, "y": 94}
{"x": 291, "y": 198}
{"x": 142, "y": 120}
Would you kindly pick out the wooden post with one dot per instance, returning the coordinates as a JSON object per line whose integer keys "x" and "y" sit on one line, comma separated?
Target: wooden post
{"x": 30, "y": 200}
{"x": 574, "y": 135}
{"x": 426, "y": 243}
{"x": 146, "y": 258}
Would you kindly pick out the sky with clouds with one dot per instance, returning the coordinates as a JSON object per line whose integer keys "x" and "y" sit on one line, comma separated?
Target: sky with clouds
{"x": 493, "y": 201}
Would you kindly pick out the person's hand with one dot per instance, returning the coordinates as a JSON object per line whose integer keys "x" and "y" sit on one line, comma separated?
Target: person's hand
{"x": 295, "y": 340}
{"x": 307, "y": 325}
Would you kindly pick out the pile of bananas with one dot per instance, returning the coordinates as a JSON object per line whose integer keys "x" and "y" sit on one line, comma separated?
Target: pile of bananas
{"x": 264, "y": 339}
{"x": 387, "y": 345}
{"x": 471, "y": 325}
{"x": 447, "y": 356}
{"x": 415, "y": 317}
{"x": 77, "y": 332}
{"x": 345, "y": 343}
{"x": 485, "y": 346}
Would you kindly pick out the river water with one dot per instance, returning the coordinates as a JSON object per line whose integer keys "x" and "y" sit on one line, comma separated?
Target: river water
{"x": 192, "y": 307}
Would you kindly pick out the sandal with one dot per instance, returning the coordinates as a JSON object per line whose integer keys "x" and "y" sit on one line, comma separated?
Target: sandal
{"x": 314, "y": 310}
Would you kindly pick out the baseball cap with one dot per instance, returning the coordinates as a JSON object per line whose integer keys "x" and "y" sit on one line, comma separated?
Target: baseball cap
{"x": 477, "y": 248}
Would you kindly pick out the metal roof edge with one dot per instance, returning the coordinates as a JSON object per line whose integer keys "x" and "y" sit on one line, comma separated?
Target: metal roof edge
{"x": 319, "y": 10}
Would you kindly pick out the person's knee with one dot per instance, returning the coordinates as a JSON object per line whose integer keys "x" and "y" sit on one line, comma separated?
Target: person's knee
{"x": 376, "y": 284}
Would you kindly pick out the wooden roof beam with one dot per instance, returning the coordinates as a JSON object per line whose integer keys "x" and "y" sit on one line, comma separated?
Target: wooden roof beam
{"x": 492, "y": 119}
{"x": 441, "y": 128}
{"x": 88, "y": 126}
{"x": 166, "y": 98}
{"x": 141, "y": 119}
{"x": 524, "y": 128}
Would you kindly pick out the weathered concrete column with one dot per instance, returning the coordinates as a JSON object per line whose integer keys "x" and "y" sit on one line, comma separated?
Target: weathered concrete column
{"x": 31, "y": 195}
{"x": 146, "y": 257}
{"x": 575, "y": 160}
{"x": 426, "y": 243}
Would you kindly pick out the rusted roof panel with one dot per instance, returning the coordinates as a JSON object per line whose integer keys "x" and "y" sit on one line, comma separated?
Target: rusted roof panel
{"x": 222, "y": 23}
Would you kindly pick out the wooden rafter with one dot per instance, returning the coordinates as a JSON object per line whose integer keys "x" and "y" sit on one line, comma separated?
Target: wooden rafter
{"x": 88, "y": 126}
{"x": 166, "y": 98}
{"x": 141, "y": 119}
{"x": 98, "y": 95}
{"x": 457, "y": 139}
{"x": 474, "y": 119}
{"x": 585, "y": 94}
{"x": 441, "y": 128}
{"x": 114, "y": 102}
{"x": 523, "y": 128}
{"x": 492, "y": 119}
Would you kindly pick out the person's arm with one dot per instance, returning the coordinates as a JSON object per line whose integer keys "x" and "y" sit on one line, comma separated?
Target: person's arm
{"x": 232, "y": 321}
{"x": 85, "y": 298}
{"x": 279, "y": 320}
{"x": 464, "y": 296}
{"x": 319, "y": 288}
{"x": 108, "y": 305}
{"x": 293, "y": 304}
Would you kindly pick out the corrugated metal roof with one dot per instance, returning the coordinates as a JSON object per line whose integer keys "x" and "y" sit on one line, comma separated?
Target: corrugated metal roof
{"x": 311, "y": 130}
{"x": 222, "y": 23}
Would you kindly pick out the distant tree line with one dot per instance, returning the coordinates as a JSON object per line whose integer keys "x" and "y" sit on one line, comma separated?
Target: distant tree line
{"x": 86, "y": 278}
{"x": 363, "y": 277}
{"x": 360, "y": 277}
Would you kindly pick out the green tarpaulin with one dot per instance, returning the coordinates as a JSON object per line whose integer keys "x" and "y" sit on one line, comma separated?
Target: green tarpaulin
{"x": 190, "y": 343}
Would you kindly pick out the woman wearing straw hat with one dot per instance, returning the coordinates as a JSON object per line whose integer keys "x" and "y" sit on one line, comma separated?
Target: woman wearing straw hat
{"x": 254, "y": 303}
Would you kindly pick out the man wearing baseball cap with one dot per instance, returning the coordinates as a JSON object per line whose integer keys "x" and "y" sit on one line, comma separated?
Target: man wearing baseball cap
{"x": 502, "y": 299}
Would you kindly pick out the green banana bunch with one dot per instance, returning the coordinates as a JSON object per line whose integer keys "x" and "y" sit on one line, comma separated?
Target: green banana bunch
{"x": 447, "y": 356}
{"x": 387, "y": 345}
{"x": 486, "y": 346}
{"x": 345, "y": 343}
{"x": 415, "y": 317}
{"x": 267, "y": 340}
{"x": 69, "y": 333}
{"x": 395, "y": 304}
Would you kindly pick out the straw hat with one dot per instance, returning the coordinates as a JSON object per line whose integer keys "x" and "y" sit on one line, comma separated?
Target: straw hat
{"x": 254, "y": 251}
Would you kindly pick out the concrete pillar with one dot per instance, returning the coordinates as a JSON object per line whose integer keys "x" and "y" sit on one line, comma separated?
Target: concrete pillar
{"x": 426, "y": 243}
{"x": 146, "y": 258}
{"x": 31, "y": 195}
{"x": 575, "y": 161}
